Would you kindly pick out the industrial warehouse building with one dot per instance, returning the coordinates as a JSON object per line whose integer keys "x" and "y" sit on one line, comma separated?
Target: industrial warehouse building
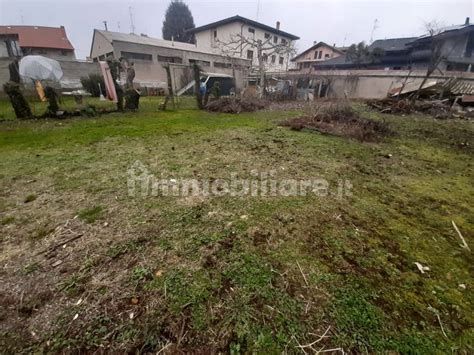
{"x": 151, "y": 55}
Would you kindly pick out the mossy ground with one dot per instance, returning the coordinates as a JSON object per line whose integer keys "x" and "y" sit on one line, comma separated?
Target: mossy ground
{"x": 226, "y": 273}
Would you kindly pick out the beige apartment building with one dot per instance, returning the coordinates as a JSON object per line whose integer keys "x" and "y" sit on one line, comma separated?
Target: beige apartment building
{"x": 238, "y": 36}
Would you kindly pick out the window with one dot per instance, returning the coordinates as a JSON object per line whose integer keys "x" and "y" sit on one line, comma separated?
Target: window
{"x": 307, "y": 64}
{"x": 137, "y": 56}
{"x": 320, "y": 54}
{"x": 166, "y": 59}
{"x": 273, "y": 58}
{"x": 275, "y": 39}
{"x": 13, "y": 48}
{"x": 284, "y": 42}
{"x": 282, "y": 60}
{"x": 326, "y": 56}
{"x": 215, "y": 33}
{"x": 63, "y": 52}
{"x": 265, "y": 57}
{"x": 267, "y": 35}
{"x": 251, "y": 30}
{"x": 315, "y": 54}
{"x": 203, "y": 63}
{"x": 249, "y": 54}
{"x": 222, "y": 65}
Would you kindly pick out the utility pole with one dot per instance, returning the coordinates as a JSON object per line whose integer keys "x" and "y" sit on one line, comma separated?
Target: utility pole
{"x": 132, "y": 26}
{"x": 105, "y": 25}
{"x": 373, "y": 31}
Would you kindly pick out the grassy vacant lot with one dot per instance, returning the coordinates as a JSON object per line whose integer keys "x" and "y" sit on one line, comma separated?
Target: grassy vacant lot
{"x": 234, "y": 274}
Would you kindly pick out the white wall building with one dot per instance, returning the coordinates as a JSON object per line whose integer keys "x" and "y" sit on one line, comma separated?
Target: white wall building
{"x": 229, "y": 37}
{"x": 151, "y": 55}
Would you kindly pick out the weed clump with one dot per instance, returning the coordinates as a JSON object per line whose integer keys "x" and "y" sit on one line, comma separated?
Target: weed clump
{"x": 90, "y": 215}
{"x": 235, "y": 105}
{"x": 340, "y": 120}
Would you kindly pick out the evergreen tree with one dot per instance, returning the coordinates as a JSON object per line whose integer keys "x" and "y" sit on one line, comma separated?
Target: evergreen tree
{"x": 178, "y": 19}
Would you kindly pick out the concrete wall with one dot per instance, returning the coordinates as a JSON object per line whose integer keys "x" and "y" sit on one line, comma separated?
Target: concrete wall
{"x": 72, "y": 70}
{"x": 370, "y": 84}
{"x": 101, "y": 45}
{"x": 151, "y": 72}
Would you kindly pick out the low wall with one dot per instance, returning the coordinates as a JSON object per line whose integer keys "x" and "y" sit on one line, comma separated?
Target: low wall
{"x": 147, "y": 75}
{"x": 370, "y": 84}
{"x": 72, "y": 70}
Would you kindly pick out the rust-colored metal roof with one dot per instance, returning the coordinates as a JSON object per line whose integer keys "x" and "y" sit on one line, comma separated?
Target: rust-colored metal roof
{"x": 39, "y": 37}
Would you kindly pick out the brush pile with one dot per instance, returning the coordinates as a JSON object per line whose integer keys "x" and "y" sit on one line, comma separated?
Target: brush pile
{"x": 340, "y": 119}
{"x": 235, "y": 105}
{"x": 440, "y": 109}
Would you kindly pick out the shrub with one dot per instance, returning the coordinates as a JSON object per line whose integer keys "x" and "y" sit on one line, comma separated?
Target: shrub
{"x": 91, "y": 84}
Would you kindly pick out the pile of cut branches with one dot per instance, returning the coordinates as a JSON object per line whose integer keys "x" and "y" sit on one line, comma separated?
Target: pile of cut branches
{"x": 235, "y": 105}
{"x": 340, "y": 119}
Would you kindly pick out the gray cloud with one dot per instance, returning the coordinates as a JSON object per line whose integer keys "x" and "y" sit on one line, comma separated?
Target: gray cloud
{"x": 335, "y": 21}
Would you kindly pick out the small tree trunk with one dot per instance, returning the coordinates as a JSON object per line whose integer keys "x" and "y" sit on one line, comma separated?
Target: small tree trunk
{"x": 197, "y": 88}
{"x": 261, "y": 66}
{"x": 18, "y": 101}
{"x": 170, "y": 86}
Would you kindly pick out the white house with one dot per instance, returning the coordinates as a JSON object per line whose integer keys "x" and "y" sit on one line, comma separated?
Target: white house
{"x": 237, "y": 36}
{"x": 319, "y": 52}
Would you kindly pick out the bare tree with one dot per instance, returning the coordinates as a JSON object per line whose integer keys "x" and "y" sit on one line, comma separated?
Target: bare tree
{"x": 265, "y": 49}
{"x": 438, "y": 51}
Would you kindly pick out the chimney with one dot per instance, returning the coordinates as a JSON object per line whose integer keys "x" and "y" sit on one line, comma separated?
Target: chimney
{"x": 315, "y": 42}
{"x": 278, "y": 25}
{"x": 467, "y": 21}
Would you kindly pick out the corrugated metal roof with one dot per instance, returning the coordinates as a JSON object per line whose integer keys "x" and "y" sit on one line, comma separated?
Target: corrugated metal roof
{"x": 458, "y": 87}
{"x": 39, "y": 37}
{"x": 150, "y": 41}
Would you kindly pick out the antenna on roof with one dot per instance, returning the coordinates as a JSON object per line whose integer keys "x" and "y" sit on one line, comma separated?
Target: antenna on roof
{"x": 118, "y": 25}
{"x": 105, "y": 25}
{"x": 258, "y": 9}
{"x": 132, "y": 26}
{"x": 373, "y": 31}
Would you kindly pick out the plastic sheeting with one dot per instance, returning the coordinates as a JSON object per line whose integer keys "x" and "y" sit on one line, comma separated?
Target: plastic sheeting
{"x": 37, "y": 67}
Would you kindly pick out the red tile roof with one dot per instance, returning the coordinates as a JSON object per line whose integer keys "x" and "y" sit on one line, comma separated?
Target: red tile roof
{"x": 39, "y": 37}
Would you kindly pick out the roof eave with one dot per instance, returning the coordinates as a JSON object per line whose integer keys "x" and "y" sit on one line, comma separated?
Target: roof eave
{"x": 245, "y": 20}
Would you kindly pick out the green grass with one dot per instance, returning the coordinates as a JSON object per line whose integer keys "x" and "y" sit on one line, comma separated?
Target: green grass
{"x": 222, "y": 274}
{"x": 90, "y": 215}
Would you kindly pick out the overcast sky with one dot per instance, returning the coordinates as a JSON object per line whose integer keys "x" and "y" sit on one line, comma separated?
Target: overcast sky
{"x": 333, "y": 21}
